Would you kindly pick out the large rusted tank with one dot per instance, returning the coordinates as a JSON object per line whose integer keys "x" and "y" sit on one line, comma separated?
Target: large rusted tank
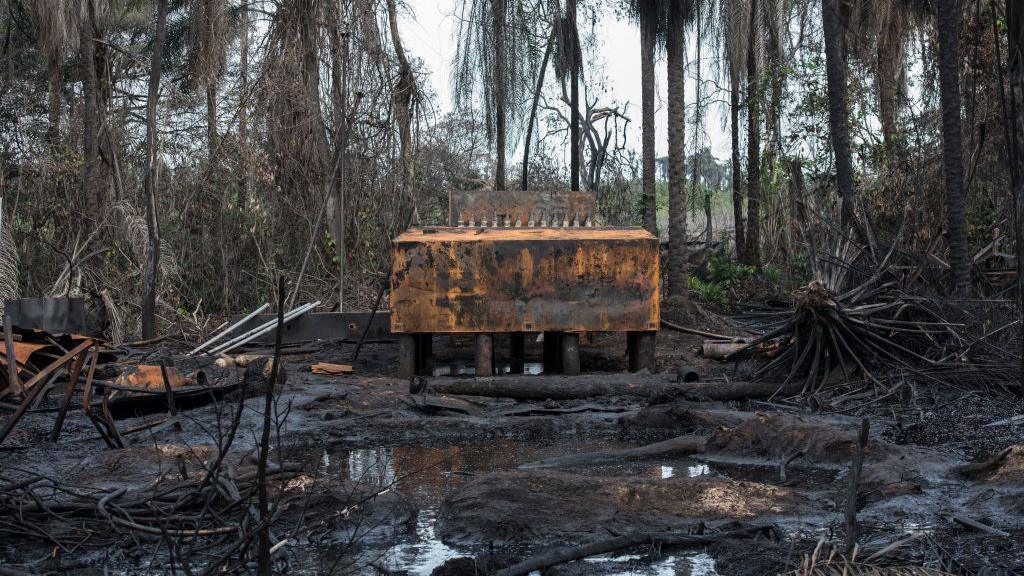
{"x": 512, "y": 278}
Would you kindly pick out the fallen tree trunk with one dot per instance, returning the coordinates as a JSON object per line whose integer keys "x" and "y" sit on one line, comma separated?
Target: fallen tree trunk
{"x": 679, "y": 446}
{"x": 665, "y": 539}
{"x": 723, "y": 391}
{"x": 589, "y": 386}
{"x": 555, "y": 387}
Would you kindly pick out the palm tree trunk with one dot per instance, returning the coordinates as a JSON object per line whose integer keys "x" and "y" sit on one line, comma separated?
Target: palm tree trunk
{"x": 243, "y": 110}
{"x": 339, "y": 98}
{"x": 500, "y": 17}
{"x": 888, "y": 70}
{"x": 533, "y": 110}
{"x": 211, "y": 87}
{"x": 952, "y": 151}
{"x": 53, "y": 100}
{"x": 574, "y": 100}
{"x": 1015, "y": 113}
{"x": 752, "y": 254}
{"x": 152, "y": 225}
{"x": 676, "y": 63}
{"x": 647, "y": 32}
{"x": 737, "y": 173}
{"x": 90, "y": 122}
{"x": 403, "y": 112}
{"x": 211, "y": 117}
{"x": 698, "y": 115}
{"x": 838, "y": 113}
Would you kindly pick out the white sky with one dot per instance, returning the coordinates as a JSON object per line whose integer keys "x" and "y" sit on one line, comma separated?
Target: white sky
{"x": 428, "y": 29}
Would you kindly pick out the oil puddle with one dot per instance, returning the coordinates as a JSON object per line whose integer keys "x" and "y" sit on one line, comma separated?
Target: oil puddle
{"x": 426, "y": 475}
{"x": 463, "y": 369}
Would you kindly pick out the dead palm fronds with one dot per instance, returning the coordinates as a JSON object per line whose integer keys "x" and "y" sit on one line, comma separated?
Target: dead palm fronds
{"x": 855, "y": 322}
{"x": 499, "y": 47}
{"x": 825, "y": 561}
{"x": 8, "y": 261}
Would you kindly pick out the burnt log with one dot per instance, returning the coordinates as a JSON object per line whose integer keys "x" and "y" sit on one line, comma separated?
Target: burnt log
{"x": 590, "y": 386}
{"x": 678, "y": 446}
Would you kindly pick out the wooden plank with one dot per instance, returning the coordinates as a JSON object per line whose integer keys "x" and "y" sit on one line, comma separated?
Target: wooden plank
{"x": 328, "y": 369}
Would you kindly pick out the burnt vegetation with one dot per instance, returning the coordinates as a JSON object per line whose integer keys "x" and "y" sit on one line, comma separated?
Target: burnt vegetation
{"x": 279, "y": 296}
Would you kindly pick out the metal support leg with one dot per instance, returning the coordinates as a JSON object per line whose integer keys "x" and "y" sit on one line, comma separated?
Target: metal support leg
{"x": 631, "y": 351}
{"x": 484, "y": 355}
{"x": 424, "y": 354}
{"x": 407, "y": 355}
{"x": 516, "y": 352}
{"x": 571, "y": 353}
{"x": 641, "y": 346}
{"x": 552, "y": 352}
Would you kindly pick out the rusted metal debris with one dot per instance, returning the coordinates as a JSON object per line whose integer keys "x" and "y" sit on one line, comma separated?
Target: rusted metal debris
{"x": 527, "y": 208}
{"x": 76, "y": 366}
{"x": 466, "y": 280}
{"x": 56, "y": 315}
{"x": 560, "y": 281}
{"x": 150, "y": 377}
{"x": 37, "y": 384}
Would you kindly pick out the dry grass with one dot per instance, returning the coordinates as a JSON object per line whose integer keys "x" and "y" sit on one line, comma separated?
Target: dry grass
{"x": 826, "y": 561}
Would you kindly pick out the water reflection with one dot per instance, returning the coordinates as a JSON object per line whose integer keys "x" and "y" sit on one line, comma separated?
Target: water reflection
{"x": 428, "y": 474}
{"x": 463, "y": 369}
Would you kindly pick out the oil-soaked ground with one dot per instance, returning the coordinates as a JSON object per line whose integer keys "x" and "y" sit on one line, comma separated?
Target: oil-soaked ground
{"x": 395, "y": 486}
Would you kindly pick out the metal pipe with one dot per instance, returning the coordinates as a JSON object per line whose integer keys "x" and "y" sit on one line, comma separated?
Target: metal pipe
{"x": 261, "y": 330}
{"x": 228, "y": 330}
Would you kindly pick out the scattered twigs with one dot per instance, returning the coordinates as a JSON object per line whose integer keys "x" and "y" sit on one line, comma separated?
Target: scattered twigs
{"x": 979, "y": 526}
{"x": 851, "y": 494}
{"x": 688, "y": 330}
{"x": 664, "y": 539}
{"x": 34, "y": 387}
{"x": 171, "y": 408}
{"x": 978, "y": 468}
{"x": 68, "y": 393}
{"x": 263, "y": 550}
{"x": 108, "y": 419}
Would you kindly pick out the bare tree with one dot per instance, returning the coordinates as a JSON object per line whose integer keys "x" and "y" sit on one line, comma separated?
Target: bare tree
{"x": 952, "y": 151}
{"x": 152, "y": 224}
{"x": 838, "y": 113}
{"x": 405, "y": 89}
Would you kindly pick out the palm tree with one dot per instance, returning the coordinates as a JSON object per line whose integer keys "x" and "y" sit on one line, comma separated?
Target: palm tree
{"x": 732, "y": 37}
{"x": 752, "y": 251}
{"x": 680, "y": 12}
{"x": 647, "y": 14}
{"x": 891, "y": 29}
{"x": 571, "y": 35}
{"x": 152, "y": 227}
{"x": 739, "y": 236}
{"x": 90, "y": 110}
{"x": 952, "y": 151}
{"x": 496, "y": 57}
{"x": 1015, "y": 119}
{"x": 838, "y": 113}
{"x": 208, "y": 35}
{"x": 55, "y": 23}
